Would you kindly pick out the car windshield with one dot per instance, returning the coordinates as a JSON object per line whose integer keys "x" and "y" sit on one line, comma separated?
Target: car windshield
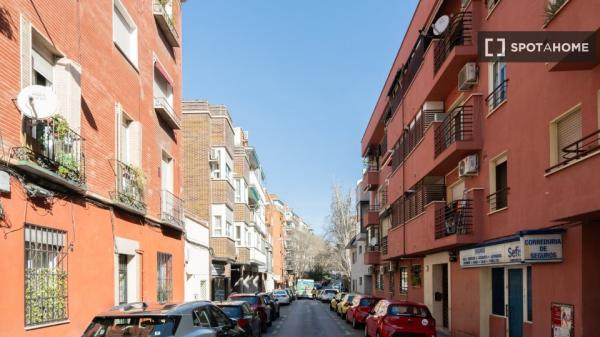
{"x": 144, "y": 326}
{"x": 365, "y": 302}
{"x": 280, "y": 293}
{"x": 408, "y": 310}
{"x": 330, "y": 291}
{"x": 232, "y": 311}
{"x": 248, "y": 299}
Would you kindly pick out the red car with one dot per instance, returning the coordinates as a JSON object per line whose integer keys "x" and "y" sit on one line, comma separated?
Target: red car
{"x": 400, "y": 317}
{"x": 361, "y": 306}
{"x": 258, "y": 305}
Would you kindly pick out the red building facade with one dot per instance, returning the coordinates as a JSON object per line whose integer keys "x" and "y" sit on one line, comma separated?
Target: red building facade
{"x": 482, "y": 175}
{"x": 91, "y": 215}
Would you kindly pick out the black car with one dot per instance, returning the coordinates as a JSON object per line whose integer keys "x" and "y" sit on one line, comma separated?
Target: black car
{"x": 243, "y": 314}
{"x": 271, "y": 301}
{"x": 193, "y": 319}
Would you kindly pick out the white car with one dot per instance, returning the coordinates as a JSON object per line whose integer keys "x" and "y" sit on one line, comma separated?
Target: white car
{"x": 282, "y": 296}
{"x": 328, "y": 295}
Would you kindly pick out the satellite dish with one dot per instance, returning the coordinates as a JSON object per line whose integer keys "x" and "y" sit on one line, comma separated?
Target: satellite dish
{"x": 37, "y": 102}
{"x": 440, "y": 25}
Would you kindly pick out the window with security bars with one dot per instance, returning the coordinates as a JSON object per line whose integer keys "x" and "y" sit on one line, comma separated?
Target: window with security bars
{"x": 123, "y": 261}
{"x": 392, "y": 283}
{"x": 568, "y": 131}
{"x": 379, "y": 281}
{"x": 45, "y": 275}
{"x": 165, "y": 278}
{"x": 403, "y": 280}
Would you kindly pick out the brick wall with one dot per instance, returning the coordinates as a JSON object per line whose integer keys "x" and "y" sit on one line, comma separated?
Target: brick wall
{"x": 196, "y": 142}
{"x": 242, "y": 213}
{"x": 243, "y": 255}
{"x": 222, "y": 192}
{"x": 223, "y": 247}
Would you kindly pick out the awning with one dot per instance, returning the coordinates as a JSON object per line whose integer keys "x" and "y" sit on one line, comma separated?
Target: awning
{"x": 161, "y": 69}
{"x": 253, "y": 193}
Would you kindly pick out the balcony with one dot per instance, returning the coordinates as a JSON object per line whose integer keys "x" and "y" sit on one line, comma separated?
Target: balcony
{"x": 440, "y": 227}
{"x": 457, "y": 136}
{"x": 224, "y": 248}
{"x": 258, "y": 257}
{"x": 499, "y": 199}
{"x": 578, "y": 150}
{"x": 52, "y": 151}
{"x": 171, "y": 209}
{"x": 373, "y": 215}
{"x": 165, "y": 21}
{"x": 243, "y": 255}
{"x": 458, "y": 33}
{"x": 371, "y": 176}
{"x": 130, "y": 188}
{"x": 166, "y": 112}
{"x": 372, "y": 255}
{"x": 243, "y": 213}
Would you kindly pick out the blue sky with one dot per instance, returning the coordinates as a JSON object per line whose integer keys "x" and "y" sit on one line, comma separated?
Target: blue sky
{"x": 301, "y": 76}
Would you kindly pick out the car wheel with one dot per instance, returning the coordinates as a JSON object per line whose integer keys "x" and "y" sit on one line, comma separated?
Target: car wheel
{"x": 354, "y": 324}
{"x": 366, "y": 334}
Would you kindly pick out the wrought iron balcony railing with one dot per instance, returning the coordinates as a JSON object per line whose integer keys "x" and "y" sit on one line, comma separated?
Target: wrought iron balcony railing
{"x": 498, "y": 199}
{"x": 373, "y": 248}
{"x": 412, "y": 204}
{"x": 498, "y": 95}
{"x": 165, "y": 109}
{"x": 458, "y": 126}
{"x": 454, "y": 218}
{"x": 165, "y": 21}
{"x": 384, "y": 245}
{"x": 578, "y": 149}
{"x": 459, "y": 33}
{"x": 52, "y": 145}
{"x": 130, "y": 187}
{"x": 171, "y": 208}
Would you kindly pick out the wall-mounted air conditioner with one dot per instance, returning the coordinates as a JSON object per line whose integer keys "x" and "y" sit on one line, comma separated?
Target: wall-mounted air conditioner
{"x": 467, "y": 77}
{"x": 468, "y": 166}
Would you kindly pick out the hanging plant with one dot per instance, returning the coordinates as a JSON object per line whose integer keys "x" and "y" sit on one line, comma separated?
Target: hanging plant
{"x": 139, "y": 177}
{"x": 61, "y": 126}
{"x": 68, "y": 164}
{"x": 552, "y": 7}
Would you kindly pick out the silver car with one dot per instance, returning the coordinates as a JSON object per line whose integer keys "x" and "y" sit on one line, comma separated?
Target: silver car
{"x": 193, "y": 319}
{"x": 282, "y": 297}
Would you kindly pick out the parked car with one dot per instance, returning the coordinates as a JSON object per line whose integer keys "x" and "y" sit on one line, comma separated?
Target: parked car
{"x": 242, "y": 313}
{"x": 258, "y": 305}
{"x": 328, "y": 294}
{"x": 361, "y": 306}
{"x": 192, "y": 319}
{"x": 337, "y": 298}
{"x": 292, "y": 293}
{"x": 282, "y": 297}
{"x": 344, "y": 304}
{"x": 407, "y": 318}
{"x": 273, "y": 303}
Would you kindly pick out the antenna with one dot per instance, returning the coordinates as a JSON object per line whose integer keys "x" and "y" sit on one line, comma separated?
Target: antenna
{"x": 440, "y": 25}
{"x": 37, "y": 102}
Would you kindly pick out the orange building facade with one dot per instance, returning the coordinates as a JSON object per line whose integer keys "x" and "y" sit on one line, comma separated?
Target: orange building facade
{"x": 91, "y": 215}
{"x": 482, "y": 176}
{"x": 275, "y": 217}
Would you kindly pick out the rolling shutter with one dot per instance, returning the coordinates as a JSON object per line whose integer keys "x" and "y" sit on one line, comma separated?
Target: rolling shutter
{"x": 568, "y": 131}
{"x": 67, "y": 86}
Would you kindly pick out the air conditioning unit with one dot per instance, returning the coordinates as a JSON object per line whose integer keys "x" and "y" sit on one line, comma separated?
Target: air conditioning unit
{"x": 467, "y": 77}
{"x": 214, "y": 155}
{"x": 468, "y": 166}
{"x": 439, "y": 117}
{"x": 391, "y": 267}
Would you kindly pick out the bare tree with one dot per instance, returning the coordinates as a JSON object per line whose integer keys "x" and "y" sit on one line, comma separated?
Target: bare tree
{"x": 342, "y": 227}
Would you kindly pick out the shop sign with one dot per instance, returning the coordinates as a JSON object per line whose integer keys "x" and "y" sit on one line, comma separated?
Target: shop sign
{"x": 542, "y": 248}
{"x": 561, "y": 316}
{"x": 525, "y": 249}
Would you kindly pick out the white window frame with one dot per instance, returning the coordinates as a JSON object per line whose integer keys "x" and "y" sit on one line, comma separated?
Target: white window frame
{"x": 132, "y": 53}
{"x": 217, "y": 224}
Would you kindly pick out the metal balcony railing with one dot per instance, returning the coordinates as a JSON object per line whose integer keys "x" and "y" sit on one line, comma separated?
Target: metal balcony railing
{"x": 372, "y": 166}
{"x": 171, "y": 208}
{"x": 165, "y": 109}
{"x": 373, "y": 248}
{"x": 52, "y": 145}
{"x": 458, "y": 33}
{"x": 498, "y": 199}
{"x": 454, "y": 218}
{"x": 578, "y": 149}
{"x": 498, "y": 95}
{"x": 166, "y": 22}
{"x": 130, "y": 187}
{"x": 412, "y": 204}
{"x": 384, "y": 245}
{"x": 458, "y": 126}
{"x": 374, "y": 208}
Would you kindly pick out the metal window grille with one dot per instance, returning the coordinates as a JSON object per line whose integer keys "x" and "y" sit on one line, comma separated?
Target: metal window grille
{"x": 165, "y": 278}
{"x": 403, "y": 280}
{"x": 123, "y": 278}
{"x": 45, "y": 275}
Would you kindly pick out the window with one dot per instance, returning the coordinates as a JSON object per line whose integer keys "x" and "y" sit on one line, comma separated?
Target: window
{"x": 123, "y": 261}
{"x": 379, "y": 281}
{"x": 359, "y": 249}
{"x": 45, "y": 275}
{"x": 498, "y": 197}
{"x": 219, "y": 317}
{"x": 227, "y": 171}
{"x": 163, "y": 90}
{"x": 564, "y": 131}
{"x": 415, "y": 276}
{"x": 125, "y": 35}
{"x": 164, "y": 278}
{"x": 238, "y": 190}
{"x": 353, "y": 257}
{"x": 217, "y": 225}
{"x": 498, "y": 291}
{"x": 229, "y": 230}
{"x": 392, "y": 283}
{"x": 498, "y": 84}
{"x": 42, "y": 63}
{"x": 201, "y": 318}
{"x": 403, "y": 280}
{"x": 238, "y": 235}
{"x": 129, "y": 139}
{"x": 166, "y": 173}
{"x": 491, "y": 4}
{"x": 360, "y": 281}
{"x": 529, "y": 295}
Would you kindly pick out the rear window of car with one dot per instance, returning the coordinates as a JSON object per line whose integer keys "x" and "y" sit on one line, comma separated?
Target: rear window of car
{"x": 280, "y": 293}
{"x": 330, "y": 291}
{"x": 144, "y": 326}
{"x": 349, "y": 298}
{"x": 408, "y": 310}
{"x": 249, "y": 299}
{"x": 232, "y": 311}
{"x": 365, "y": 302}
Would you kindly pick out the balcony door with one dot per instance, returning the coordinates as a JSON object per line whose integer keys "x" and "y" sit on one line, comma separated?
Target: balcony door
{"x": 166, "y": 177}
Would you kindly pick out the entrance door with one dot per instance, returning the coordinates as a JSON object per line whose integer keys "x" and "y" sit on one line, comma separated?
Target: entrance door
{"x": 515, "y": 302}
{"x": 445, "y": 294}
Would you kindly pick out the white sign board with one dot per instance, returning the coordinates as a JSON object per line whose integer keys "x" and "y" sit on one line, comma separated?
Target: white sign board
{"x": 526, "y": 249}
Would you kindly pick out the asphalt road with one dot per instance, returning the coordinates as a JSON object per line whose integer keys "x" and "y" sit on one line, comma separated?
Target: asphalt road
{"x": 308, "y": 318}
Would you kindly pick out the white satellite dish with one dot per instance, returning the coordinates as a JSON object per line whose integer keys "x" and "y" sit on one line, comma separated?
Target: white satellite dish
{"x": 37, "y": 102}
{"x": 440, "y": 25}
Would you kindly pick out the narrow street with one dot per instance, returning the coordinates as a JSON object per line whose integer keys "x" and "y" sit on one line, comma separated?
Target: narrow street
{"x": 310, "y": 318}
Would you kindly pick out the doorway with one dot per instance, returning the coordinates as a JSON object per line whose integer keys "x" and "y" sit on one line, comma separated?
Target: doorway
{"x": 515, "y": 302}
{"x": 440, "y": 280}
